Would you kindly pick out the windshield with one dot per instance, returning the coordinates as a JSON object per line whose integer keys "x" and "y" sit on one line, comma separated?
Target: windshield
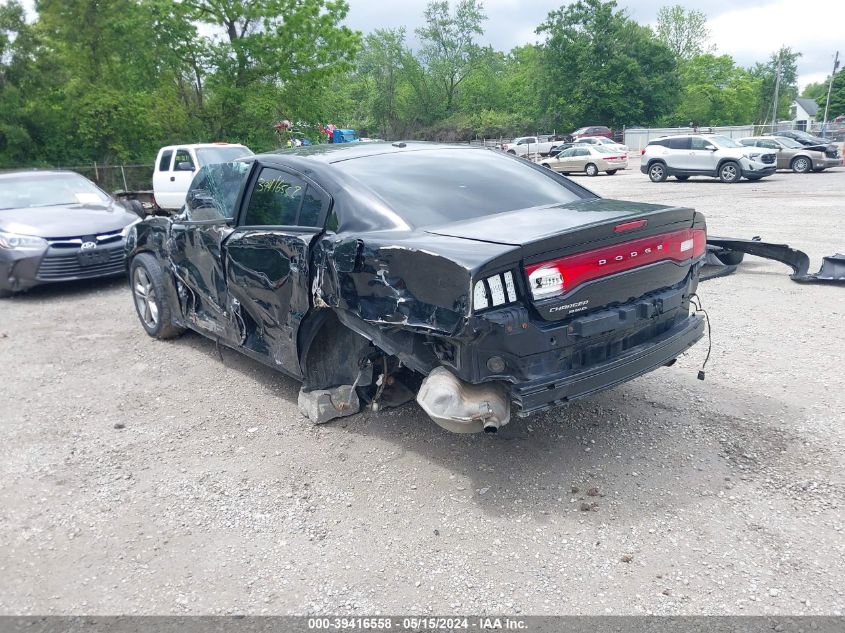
{"x": 431, "y": 187}
{"x": 788, "y": 142}
{"x": 724, "y": 141}
{"x": 222, "y": 154}
{"x": 43, "y": 190}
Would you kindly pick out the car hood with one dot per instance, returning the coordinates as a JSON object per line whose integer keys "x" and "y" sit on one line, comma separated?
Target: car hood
{"x": 71, "y": 220}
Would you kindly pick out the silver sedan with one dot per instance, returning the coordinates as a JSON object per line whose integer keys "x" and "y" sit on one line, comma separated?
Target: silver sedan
{"x": 590, "y": 159}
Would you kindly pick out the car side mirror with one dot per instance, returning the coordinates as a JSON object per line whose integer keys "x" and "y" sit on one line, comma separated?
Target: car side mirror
{"x": 712, "y": 148}
{"x": 185, "y": 166}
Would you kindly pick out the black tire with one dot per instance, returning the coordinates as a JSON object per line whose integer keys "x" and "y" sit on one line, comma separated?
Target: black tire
{"x": 591, "y": 170}
{"x": 136, "y": 207}
{"x": 511, "y": 151}
{"x": 610, "y": 172}
{"x": 147, "y": 282}
{"x": 801, "y": 164}
{"x": 547, "y": 166}
{"x": 657, "y": 172}
{"x": 754, "y": 178}
{"x": 730, "y": 172}
{"x": 682, "y": 177}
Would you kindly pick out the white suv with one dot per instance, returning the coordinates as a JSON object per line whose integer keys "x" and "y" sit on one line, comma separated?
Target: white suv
{"x": 705, "y": 155}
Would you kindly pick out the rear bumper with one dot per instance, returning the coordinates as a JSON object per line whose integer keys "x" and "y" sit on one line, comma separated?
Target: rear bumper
{"x": 561, "y": 388}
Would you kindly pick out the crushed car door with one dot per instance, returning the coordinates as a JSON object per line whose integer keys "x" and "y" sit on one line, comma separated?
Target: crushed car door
{"x": 267, "y": 262}
{"x": 195, "y": 247}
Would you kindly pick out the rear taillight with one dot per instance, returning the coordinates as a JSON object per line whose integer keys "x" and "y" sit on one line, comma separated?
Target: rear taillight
{"x": 557, "y": 276}
{"x": 494, "y": 291}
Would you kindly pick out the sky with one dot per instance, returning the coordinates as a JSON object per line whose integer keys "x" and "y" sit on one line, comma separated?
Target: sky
{"x": 749, "y": 31}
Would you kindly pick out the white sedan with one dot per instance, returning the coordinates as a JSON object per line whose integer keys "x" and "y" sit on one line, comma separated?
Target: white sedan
{"x": 590, "y": 159}
{"x": 602, "y": 141}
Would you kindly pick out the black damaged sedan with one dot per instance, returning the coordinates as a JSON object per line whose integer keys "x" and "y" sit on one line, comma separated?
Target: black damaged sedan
{"x": 58, "y": 226}
{"x": 477, "y": 282}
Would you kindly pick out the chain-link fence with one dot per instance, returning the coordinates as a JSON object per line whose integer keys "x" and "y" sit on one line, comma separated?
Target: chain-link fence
{"x": 110, "y": 178}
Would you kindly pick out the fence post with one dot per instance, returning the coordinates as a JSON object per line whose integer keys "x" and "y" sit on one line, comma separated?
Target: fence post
{"x": 123, "y": 174}
{"x": 96, "y": 174}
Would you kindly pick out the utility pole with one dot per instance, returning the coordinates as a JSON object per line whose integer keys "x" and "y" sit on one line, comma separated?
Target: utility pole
{"x": 829, "y": 89}
{"x": 777, "y": 91}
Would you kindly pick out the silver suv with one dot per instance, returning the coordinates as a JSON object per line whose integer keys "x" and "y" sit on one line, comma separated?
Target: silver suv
{"x": 705, "y": 155}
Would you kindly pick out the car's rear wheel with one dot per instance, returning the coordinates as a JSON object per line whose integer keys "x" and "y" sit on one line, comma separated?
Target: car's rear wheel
{"x": 682, "y": 177}
{"x": 150, "y": 298}
{"x": 591, "y": 170}
{"x": 801, "y": 165}
{"x": 510, "y": 151}
{"x": 730, "y": 172}
{"x": 547, "y": 166}
{"x": 610, "y": 172}
{"x": 657, "y": 172}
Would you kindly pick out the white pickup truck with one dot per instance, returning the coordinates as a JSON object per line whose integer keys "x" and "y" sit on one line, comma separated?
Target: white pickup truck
{"x": 525, "y": 145}
{"x": 176, "y": 165}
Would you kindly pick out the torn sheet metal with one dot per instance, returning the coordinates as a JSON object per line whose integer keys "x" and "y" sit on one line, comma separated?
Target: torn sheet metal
{"x": 724, "y": 255}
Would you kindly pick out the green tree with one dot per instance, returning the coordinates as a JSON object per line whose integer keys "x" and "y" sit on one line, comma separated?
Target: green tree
{"x": 715, "y": 91}
{"x": 449, "y": 50}
{"x": 601, "y": 67}
{"x": 15, "y": 48}
{"x": 786, "y": 60}
{"x": 684, "y": 31}
{"x": 818, "y": 91}
{"x": 274, "y": 57}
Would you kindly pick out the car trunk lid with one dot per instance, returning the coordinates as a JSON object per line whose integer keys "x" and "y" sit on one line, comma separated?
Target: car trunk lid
{"x": 589, "y": 254}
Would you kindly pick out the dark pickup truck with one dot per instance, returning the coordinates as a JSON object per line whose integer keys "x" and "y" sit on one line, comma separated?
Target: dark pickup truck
{"x": 477, "y": 281}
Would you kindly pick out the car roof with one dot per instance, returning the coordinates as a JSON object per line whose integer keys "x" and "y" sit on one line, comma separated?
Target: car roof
{"x": 337, "y": 152}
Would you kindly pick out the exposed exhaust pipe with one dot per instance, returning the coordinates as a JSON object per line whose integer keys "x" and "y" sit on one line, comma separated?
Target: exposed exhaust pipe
{"x": 461, "y": 407}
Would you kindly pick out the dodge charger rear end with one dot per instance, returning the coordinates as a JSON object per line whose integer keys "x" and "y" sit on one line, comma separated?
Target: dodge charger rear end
{"x": 483, "y": 284}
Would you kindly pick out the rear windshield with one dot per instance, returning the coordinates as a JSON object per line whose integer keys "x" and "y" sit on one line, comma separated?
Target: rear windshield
{"x": 432, "y": 187}
{"x": 222, "y": 154}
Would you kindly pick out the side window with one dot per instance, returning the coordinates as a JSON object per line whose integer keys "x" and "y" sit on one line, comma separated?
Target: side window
{"x": 583, "y": 152}
{"x": 214, "y": 191}
{"x": 768, "y": 144}
{"x": 275, "y": 199}
{"x": 567, "y": 152}
{"x": 313, "y": 204}
{"x": 164, "y": 161}
{"x": 696, "y": 142}
{"x": 183, "y": 161}
{"x": 682, "y": 142}
{"x": 661, "y": 143}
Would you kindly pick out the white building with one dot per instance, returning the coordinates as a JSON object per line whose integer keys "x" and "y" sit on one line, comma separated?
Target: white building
{"x": 804, "y": 113}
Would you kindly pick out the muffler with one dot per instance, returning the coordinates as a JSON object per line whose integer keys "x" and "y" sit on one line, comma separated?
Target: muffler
{"x": 460, "y": 407}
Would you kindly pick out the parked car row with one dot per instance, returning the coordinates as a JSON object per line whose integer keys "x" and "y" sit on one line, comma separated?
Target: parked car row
{"x": 544, "y": 145}
{"x": 716, "y": 156}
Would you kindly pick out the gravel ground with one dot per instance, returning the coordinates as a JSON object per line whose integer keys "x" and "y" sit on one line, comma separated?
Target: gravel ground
{"x": 139, "y": 476}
